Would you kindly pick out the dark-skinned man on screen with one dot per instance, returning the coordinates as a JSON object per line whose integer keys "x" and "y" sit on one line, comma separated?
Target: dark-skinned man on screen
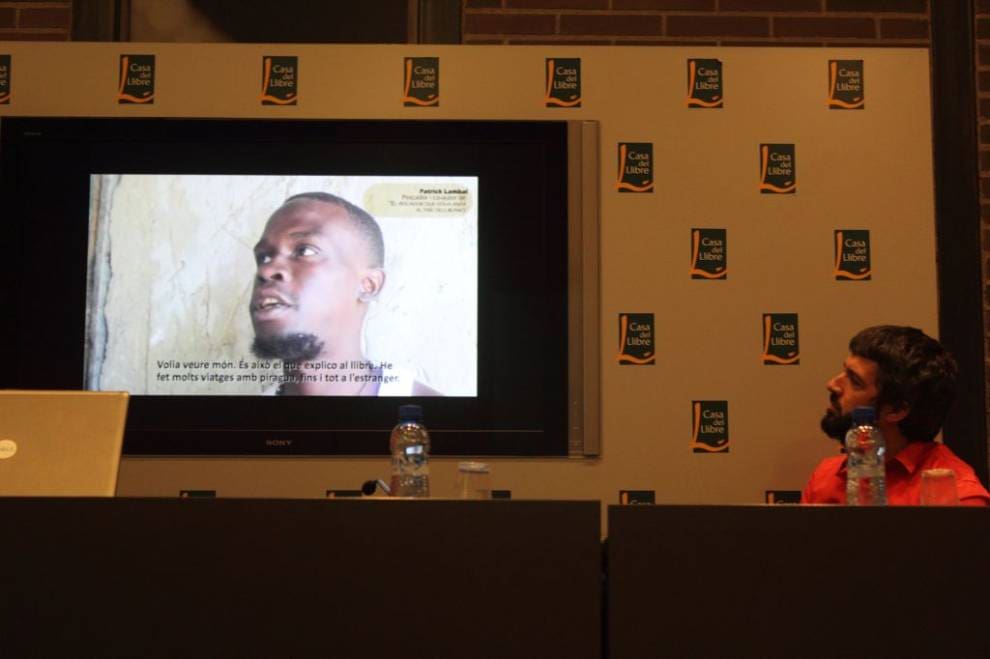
{"x": 319, "y": 266}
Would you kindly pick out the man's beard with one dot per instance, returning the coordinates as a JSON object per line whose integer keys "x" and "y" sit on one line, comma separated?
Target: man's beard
{"x": 835, "y": 424}
{"x": 287, "y": 347}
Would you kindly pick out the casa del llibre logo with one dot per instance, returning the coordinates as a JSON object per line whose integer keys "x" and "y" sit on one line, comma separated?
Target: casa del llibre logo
{"x": 136, "y": 82}
{"x": 635, "y": 167}
{"x": 636, "y": 339}
{"x": 421, "y": 82}
{"x": 563, "y": 83}
{"x": 279, "y": 80}
{"x": 780, "y": 339}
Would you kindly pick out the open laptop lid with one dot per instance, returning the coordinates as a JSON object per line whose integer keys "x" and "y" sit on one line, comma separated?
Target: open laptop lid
{"x": 60, "y": 443}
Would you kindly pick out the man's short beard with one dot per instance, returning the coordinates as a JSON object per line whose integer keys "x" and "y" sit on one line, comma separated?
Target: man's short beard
{"x": 836, "y": 425}
{"x": 287, "y": 347}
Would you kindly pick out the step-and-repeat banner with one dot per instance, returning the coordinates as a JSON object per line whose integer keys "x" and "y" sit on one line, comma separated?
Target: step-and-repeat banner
{"x": 758, "y": 207}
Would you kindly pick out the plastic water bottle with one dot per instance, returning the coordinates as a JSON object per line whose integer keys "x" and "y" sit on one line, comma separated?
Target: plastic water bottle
{"x": 865, "y": 450}
{"x": 410, "y": 444}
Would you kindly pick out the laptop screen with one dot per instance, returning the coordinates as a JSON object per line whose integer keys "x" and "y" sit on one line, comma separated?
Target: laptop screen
{"x": 60, "y": 443}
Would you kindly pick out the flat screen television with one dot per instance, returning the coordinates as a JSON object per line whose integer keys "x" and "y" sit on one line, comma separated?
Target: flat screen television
{"x": 280, "y": 287}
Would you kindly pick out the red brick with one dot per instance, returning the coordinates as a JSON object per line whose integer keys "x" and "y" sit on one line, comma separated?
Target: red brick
{"x": 904, "y": 28}
{"x": 985, "y": 188}
{"x": 985, "y": 134}
{"x": 483, "y": 4}
{"x": 879, "y": 44}
{"x": 509, "y": 24}
{"x": 557, "y": 41}
{"x": 859, "y": 28}
{"x": 873, "y": 6}
{"x": 7, "y": 17}
{"x": 666, "y": 42}
{"x": 718, "y": 26}
{"x": 556, "y": 4}
{"x": 985, "y": 108}
{"x": 770, "y": 5}
{"x": 984, "y": 55}
{"x": 983, "y": 6}
{"x": 18, "y": 35}
{"x": 773, "y": 42}
{"x": 665, "y": 5}
{"x": 983, "y": 80}
{"x": 983, "y": 28}
{"x": 985, "y": 162}
{"x": 482, "y": 41}
{"x": 616, "y": 24}
{"x": 45, "y": 17}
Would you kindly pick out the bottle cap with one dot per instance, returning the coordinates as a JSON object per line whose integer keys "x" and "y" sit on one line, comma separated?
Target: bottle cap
{"x": 410, "y": 413}
{"x": 864, "y": 416}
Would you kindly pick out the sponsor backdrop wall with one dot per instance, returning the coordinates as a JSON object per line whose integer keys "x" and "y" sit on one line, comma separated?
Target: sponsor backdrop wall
{"x": 758, "y": 206}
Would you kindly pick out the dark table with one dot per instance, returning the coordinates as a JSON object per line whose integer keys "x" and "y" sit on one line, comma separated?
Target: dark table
{"x": 297, "y": 578}
{"x": 798, "y": 581}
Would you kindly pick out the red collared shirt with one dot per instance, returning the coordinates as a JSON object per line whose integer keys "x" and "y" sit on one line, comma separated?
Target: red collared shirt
{"x": 828, "y": 481}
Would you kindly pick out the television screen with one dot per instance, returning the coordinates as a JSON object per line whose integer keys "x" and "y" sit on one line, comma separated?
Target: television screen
{"x": 282, "y": 286}
{"x": 291, "y": 285}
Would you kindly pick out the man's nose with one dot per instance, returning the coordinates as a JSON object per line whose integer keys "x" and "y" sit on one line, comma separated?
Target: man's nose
{"x": 833, "y": 383}
{"x": 274, "y": 270}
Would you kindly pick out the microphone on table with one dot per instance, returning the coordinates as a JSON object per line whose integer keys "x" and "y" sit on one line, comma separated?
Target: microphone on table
{"x": 368, "y": 488}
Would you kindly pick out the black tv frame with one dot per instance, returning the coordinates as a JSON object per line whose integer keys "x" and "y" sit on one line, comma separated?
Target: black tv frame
{"x": 523, "y": 334}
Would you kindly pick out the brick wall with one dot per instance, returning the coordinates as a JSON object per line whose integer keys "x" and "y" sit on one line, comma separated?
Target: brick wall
{"x": 982, "y": 23}
{"x": 713, "y": 22}
{"x": 29, "y": 20}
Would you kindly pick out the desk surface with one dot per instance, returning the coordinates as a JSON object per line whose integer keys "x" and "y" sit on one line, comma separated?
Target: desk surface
{"x": 786, "y": 581}
{"x": 288, "y": 578}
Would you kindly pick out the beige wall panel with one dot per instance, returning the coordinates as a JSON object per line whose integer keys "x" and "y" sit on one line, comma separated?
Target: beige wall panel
{"x": 855, "y": 169}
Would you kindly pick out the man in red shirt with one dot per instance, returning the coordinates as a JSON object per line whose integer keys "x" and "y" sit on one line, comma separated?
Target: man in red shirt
{"x": 909, "y": 379}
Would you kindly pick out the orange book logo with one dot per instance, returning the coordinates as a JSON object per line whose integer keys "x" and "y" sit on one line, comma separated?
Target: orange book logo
{"x": 5, "y": 75}
{"x": 852, "y": 255}
{"x": 710, "y": 426}
{"x": 421, "y": 82}
{"x": 845, "y": 84}
{"x": 279, "y": 80}
{"x": 563, "y": 83}
{"x": 635, "y": 167}
{"x": 709, "y": 258}
{"x": 778, "y": 170}
{"x": 780, "y": 339}
{"x": 704, "y": 83}
{"x": 636, "y": 339}
{"x": 136, "y": 82}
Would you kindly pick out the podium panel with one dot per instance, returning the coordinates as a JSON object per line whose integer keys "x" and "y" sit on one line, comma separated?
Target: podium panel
{"x": 797, "y": 581}
{"x": 299, "y": 578}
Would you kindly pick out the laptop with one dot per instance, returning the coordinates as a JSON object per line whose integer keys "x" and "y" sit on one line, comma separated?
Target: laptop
{"x": 61, "y": 443}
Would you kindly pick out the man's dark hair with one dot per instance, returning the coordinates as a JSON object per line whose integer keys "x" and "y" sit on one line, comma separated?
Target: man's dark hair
{"x": 913, "y": 371}
{"x": 365, "y": 224}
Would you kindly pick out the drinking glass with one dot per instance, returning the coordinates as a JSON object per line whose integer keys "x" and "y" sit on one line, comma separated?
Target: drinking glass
{"x": 474, "y": 480}
{"x": 938, "y": 488}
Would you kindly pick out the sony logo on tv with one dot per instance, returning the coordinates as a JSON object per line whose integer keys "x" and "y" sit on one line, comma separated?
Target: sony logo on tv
{"x": 278, "y": 442}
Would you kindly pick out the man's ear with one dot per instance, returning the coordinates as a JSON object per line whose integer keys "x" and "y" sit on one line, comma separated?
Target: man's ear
{"x": 371, "y": 284}
{"x": 891, "y": 414}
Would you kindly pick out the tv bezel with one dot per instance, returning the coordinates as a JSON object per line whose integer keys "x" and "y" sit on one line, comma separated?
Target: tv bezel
{"x": 522, "y": 166}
